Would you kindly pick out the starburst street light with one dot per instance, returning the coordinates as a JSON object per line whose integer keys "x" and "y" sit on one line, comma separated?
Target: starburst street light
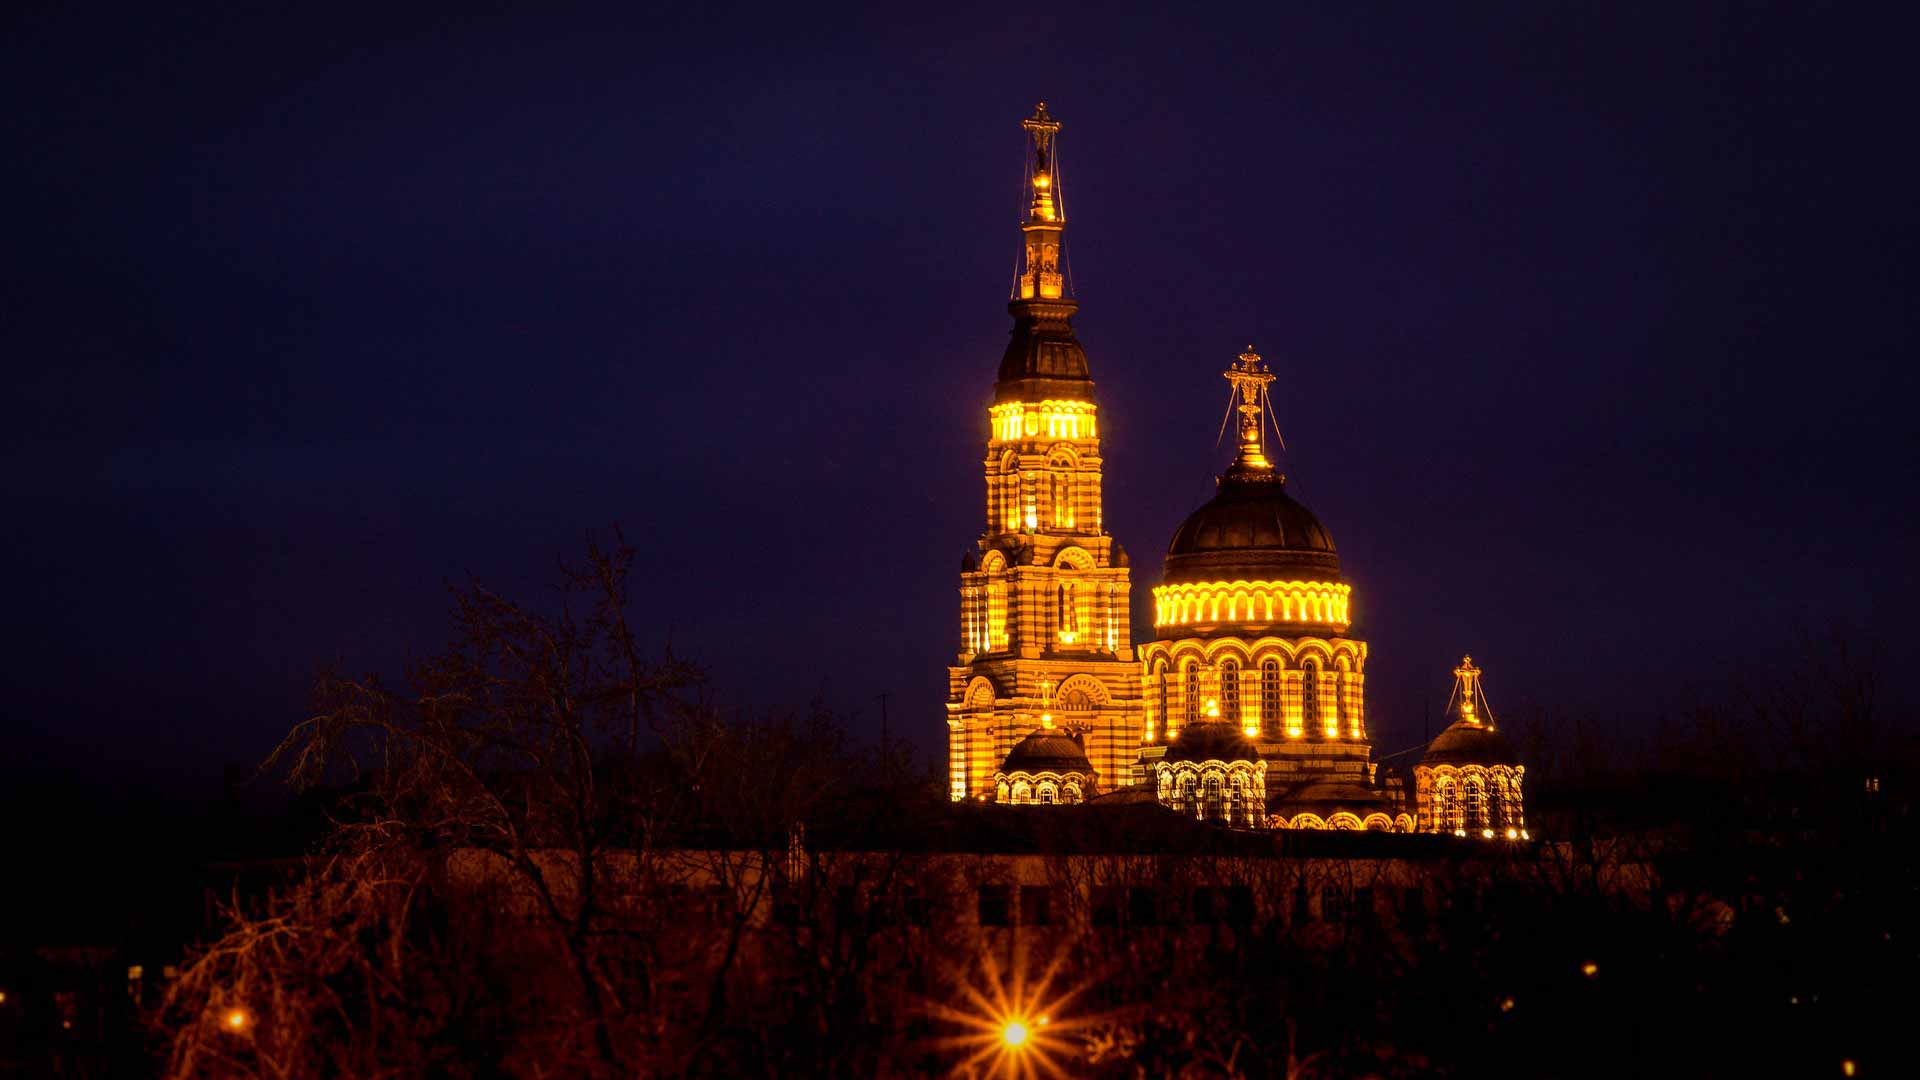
{"x": 1010, "y": 1024}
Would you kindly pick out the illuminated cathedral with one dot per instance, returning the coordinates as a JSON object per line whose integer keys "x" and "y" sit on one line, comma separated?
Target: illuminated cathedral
{"x": 1248, "y": 706}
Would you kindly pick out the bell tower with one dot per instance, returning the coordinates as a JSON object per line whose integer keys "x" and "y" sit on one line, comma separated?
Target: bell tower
{"x": 1045, "y": 639}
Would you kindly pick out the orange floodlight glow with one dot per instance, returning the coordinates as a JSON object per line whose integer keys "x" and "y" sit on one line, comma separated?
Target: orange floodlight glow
{"x": 1009, "y": 1023}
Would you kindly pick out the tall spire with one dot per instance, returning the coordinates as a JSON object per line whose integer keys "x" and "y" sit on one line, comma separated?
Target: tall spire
{"x": 1044, "y": 225}
{"x": 1043, "y": 360}
{"x": 1249, "y": 378}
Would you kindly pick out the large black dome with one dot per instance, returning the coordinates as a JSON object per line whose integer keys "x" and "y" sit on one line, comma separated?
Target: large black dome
{"x": 1252, "y": 529}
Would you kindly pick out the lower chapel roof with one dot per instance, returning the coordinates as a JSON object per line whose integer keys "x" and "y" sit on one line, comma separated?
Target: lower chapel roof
{"x": 1330, "y": 795}
{"x": 1465, "y": 743}
{"x": 1048, "y": 751}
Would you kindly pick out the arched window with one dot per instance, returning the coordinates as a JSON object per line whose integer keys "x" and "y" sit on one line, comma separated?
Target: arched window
{"x": 1187, "y": 804}
{"x": 1072, "y": 793}
{"x": 1069, "y": 612}
{"x": 1160, "y": 689}
{"x": 1230, "y": 692}
{"x": 1446, "y": 807}
{"x": 1499, "y": 812}
{"x": 1010, "y": 497}
{"x": 1046, "y": 795}
{"x": 1476, "y": 803}
{"x": 1022, "y": 793}
{"x": 996, "y": 612}
{"x": 1310, "y": 696}
{"x": 1062, "y": 495}
{"x": 1238, "y": 812}
{"x": 1215, "y": 809}
{"x": 1190, "y": 703}
{"x": 1270, "y": 695}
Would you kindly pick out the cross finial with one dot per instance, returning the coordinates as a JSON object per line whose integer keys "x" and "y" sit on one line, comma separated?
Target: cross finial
{"x": 1248, "y": 375}
{"x": 1468, "y": 679}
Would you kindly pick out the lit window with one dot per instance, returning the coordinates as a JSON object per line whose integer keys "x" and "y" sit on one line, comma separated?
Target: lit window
{"x": 1230, "y": 692}
{"x": 1160, "y": 687}
{"x": 1310, "y": 695}
{"x": 1446, "y": 809}
{"x": 1476, "y": 803}
{"x": 1270, "y": 694}
{"x": 1190, "y": 704}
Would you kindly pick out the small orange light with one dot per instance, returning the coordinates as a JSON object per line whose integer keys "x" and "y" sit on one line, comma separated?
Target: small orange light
{"x": 1589, "y": 969}
{"x": 1846, "y": 1067}
{"x": 1015, "y": 1033}
{"x": 1506, "y": 1004}
{"x": 236, "y": 1019}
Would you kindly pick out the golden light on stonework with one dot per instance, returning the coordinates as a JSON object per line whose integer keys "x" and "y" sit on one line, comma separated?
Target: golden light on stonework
{"x": 1206, "y": 602}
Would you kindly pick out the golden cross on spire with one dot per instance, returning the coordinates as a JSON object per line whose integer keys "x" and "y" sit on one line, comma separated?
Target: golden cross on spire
{"x": 1043, "y": 127}
{"x": 1467, "y": 678}
{"x": 1043, "y": 276}
{"x": 1249, "y": 378}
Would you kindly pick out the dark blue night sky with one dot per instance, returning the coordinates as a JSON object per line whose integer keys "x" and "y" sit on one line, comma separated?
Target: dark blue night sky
{"x": 1594, "y": 326}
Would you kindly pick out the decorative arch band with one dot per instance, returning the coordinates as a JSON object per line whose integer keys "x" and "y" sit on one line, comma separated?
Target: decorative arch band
{"x": 1193, "y": 603}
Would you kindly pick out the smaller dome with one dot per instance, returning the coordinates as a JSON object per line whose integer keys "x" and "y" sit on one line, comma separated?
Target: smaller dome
{"x": 1047, "y": 750}
{"x": 1043, "y": 359}
{"x": 1465, "y": 743}
{"x": 1212, "y": 741}
{"x": 1327, "y": 796}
